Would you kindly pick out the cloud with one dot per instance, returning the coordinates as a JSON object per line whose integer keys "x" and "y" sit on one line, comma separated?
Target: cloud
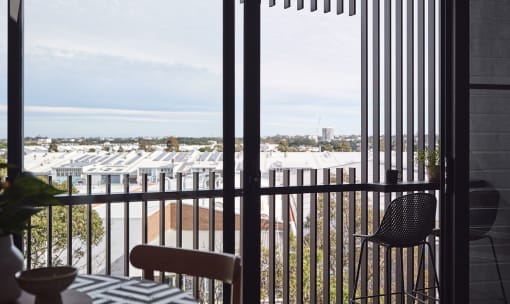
{"x": 130, "y": 66}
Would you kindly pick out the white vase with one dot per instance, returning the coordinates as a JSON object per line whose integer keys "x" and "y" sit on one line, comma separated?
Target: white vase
{"x": 11, "y": 261}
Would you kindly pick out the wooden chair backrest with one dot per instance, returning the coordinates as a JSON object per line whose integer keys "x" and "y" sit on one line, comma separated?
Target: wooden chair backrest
{"x": 212, "y": 265}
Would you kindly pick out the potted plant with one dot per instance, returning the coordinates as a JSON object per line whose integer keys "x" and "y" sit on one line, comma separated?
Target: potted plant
{"x": 430, "y": 158}
{"x": 19, "y": 200}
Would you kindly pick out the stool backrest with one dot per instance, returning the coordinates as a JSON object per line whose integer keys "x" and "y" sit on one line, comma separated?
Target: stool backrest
{"x": 483, "y": 208}
{"x": 408, "y": 220}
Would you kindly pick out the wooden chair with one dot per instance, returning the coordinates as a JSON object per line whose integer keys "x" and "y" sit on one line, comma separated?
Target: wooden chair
{"x": 212, "y": 265}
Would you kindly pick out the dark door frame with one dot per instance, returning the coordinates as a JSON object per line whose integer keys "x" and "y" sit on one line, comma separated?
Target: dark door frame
{"x": 454, "y": 252}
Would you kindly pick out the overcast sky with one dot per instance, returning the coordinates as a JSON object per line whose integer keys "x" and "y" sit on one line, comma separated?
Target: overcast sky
{"x": 153, "y": 68}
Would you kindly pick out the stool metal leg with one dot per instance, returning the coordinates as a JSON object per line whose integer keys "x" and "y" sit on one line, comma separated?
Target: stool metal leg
{"x": 415, "y": 286}
{"x": 402, "y": 288}
{"x": 436, "y": 279}
{"x": 497, "y": 268}
{"x": 433, "y": 261}
{"x": 387, "y": 281}
{"x": 358, "y": 268}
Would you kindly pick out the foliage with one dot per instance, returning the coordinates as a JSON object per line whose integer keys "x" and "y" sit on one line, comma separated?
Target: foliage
{"x": 341, "y": 146}
{"x": 293, "y": 141}
{"x": 327, "y": 147}
{"x": 283, "y": 146}
{"x": 429, "y": 157}
{"x": 145, "y": 145}
{"x": 22, "y": 198}
{"x": 39, "y": 235}
{"x": 205, "y": 149}
{"x": 39, "y": 232}
{"x": 53, "y": 147}
{"x": 172, "y": 144}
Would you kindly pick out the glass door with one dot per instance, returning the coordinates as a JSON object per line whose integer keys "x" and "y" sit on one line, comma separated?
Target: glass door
{"x": 489, "y": 146}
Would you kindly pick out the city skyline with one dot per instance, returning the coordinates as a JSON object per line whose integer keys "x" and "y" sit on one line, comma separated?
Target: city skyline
{"x": 121, "y": 79}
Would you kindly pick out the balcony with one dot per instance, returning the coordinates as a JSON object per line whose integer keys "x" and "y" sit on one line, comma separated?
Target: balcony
{"x": 301, "y": 261}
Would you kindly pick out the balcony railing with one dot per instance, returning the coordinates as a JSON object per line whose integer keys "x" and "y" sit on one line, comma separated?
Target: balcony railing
{"x": 308, "y": 218}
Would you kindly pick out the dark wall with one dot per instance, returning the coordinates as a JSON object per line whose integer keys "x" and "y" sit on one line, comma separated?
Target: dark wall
{"x": 490, "y": 141}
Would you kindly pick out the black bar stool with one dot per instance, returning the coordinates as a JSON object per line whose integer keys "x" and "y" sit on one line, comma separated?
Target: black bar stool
{"x": 407, "y": 222}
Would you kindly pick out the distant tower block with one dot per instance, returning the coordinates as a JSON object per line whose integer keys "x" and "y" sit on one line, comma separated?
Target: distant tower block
{"x": 327, "y": 134}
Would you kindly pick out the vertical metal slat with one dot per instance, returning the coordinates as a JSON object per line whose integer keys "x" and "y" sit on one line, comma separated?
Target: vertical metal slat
{"x": 196, "y": 228}
{"x": 108, "y": 253}
{"x": 212, "y": 228}
{"x": 325, "y": 238}
{"x": 89, "y": 227}
{"x": 364, "y": 140}
{"x": 162, "y": 210}
{"x": 286, "y": 249}
{"x": 339, "y": 238}
{"x": 421, "y": 99}
{"x": 300, "y": 4}
{"x": 410, "y": 124}
{"x": 352, "y": 7}
{"x": 126, "y": 227}
{"x": 352, "y": 230}
{"x": 421, "y": 82}
{"x": 327, "y": 6}
{"x": 376, "y": 136}
{"x": 162, "y": 221}
{"x": 313, "y": 238}
{"x": 49, "y": 252}
{"x": 145, "y": 235}
{"x": 299, "y": 240}
{"x": 313, "y": 5}
{"x": 178, "y": 220}
{"x": 399, "y": 123}
{"x": 69, "y": 223}
{"x": 272, "y": 249}
{"x": 339, "y": 7}
{"x": 387, "y": 127}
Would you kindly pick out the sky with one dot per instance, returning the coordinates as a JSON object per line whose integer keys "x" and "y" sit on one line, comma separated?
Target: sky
{"x": 125, "y": 68}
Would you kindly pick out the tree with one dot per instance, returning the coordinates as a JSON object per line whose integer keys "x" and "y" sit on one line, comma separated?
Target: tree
{"x": 39, "y": 234}
{"x": 283, "y": 146}
{"x": 327, "y": 147}
{"x": 145, "y": 145}
{"x": 53, "y": 147}
{"x": 172, "y": 145}
{"x": 342, "y": 146}
{"x": 205, "y": 149}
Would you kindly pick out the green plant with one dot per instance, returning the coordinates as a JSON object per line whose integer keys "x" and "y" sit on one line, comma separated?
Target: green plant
{"x": 429, "y": 157}
{"x": 22, "y": 198}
